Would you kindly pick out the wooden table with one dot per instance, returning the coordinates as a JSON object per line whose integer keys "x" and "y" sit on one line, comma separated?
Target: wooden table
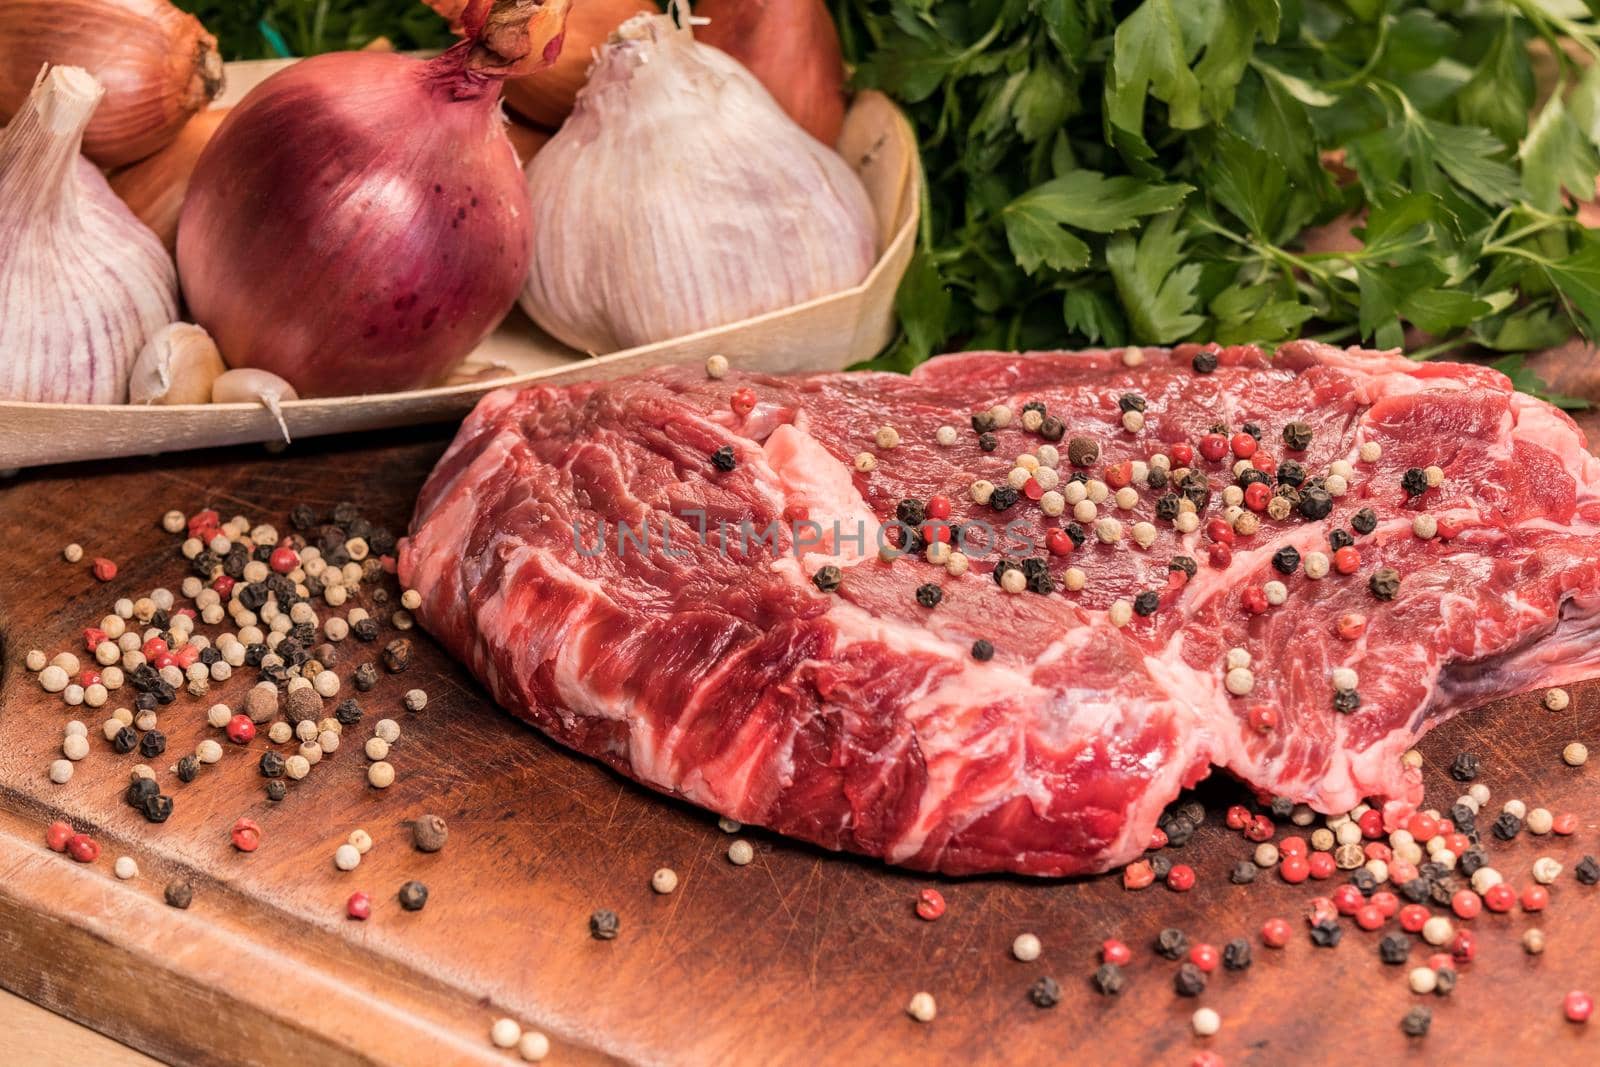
{"x": 801, "y": 957}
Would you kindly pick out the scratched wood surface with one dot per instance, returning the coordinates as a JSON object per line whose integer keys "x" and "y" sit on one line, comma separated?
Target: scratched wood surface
{"x": 801, "y": 957}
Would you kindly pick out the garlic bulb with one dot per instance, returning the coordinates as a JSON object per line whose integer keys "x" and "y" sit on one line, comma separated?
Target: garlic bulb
{"x": 679, "y": 196}
{"x": 83, "y": 283}
{"x": 177, "y": 366}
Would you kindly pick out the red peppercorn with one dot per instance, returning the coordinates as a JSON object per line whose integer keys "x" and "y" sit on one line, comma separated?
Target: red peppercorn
{"x": 1213, "y": 446}
{"x": 1263, "y": 718}
{"x": 207, "y": 519}
{"x": 1294, "y": 869}
{"x": 1457, "y": 843}
{"x": 1535, "y": 898}
{"x": 1257, "y": 496}
{"x": 1500, "y": 897}
{"x": 92, "y": 636}
{"x": 930, "y": 904}
{"x": 163, "y": 661}
{"x": 1377, "y": 850}
{"x": 57, "y": 836}
{"x": 88, "y": 676}
{"x": 1423, "y": 826}
{"x": 1119, "y": 475}
{"x": 187, "y": 656}
{"x": 1371, "y": 823}
{"x": 1352, "y": 625}
{"x": 1238, "y": 817}
{"x": 83, "y": 848}
{"x": 1264, "y": 463}
{"x": 1347, "y": 560}
{"x": 246, "y": 835}
{"x": 1219, "y": 556}
{"x": 223, "y": 585}
{"x": 1114, "y": 951}
{"x": 1386, "y": 902}
{"x": 1158, "y": 839}
{"x": 1438, "y": 961}
{"x": 938, "y": 507}
{"x": 1564, "y": 824}
{"x": 1401, "y": 872}
{"x": 1369, "y": 917}
{"x": 241, "y": 731}
{"x": 359, "y": 906}
{"x": 283, "y": 559}
{"x": 1412, "y": 918}
{"x": 1244, "y": 446}
{"x": 1466, "y": 904}
{"x": 1321, "y": 865}
{"x": 1181, "y": 454}
{"x": 1319, "y": 910}
{"x": 936, "y": 532}
{"x": 1260, "y": 829}
{"x": 154, "y": 647}
{"x": 104, "y": 569}
{"x": 1206, "y": 1058}
{"x": 1348, "y": 899}
{"x": 743, "y": 401}
{"x": 1204, "y": 956}
{"x": 1577, "y": 1006}
{"x": 1293, "y": 846}
{"x": 1254, "y": 600}
{"x": 1181, "y": 878}
{"x": 1218, "y": 530}
{"x": 1464, "y": 947}
{"x": 1275, "y": 933}
{"x": 1058, "y": 543}
{"x": 1138, "y": 875}
{"x": 1032, "y": 489}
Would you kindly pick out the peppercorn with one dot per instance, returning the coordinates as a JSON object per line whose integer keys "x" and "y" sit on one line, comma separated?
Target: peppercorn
{"x": 1465, "y": 768}
{"x": 1414, "y": 481}
{"x": 911, "y": 511}
{"x": 1183, "y": 563}
{"x": 152, "y": 744}
{"x": 1052, "y": 428}
{"x": 397, "y": 655}
{"x": 1045, "y": 993}
{"x": 1346, "y": 700}
{"x": 929, "y": 595}
{"x": 414, "y": 896}
{"x": 1236, "y": 954}
{"x": 1167, "y": 507}
{"x": 1147, "y": 603}
{"x": 156, "y": 808}
{"x": 1109, "y": 979}
{"x": 983, "y": 422}
{"x": 277, "y": 789}
{"x": 1204, "y": 362}
{"x": 1315, "y": 503}
{"x": 1160, "y": 866}
{"x": 1507, "y": 826}
{"x": 604, "y": 925}
{"x": 271, "y": 764}
{"x": 178, "y": 894}
{"x": 827, "y": 578}
{"x": 988, "y": 442}
{"x": 429, "y": 833}
{"x": 125, "y": 741}
{"x": 348, "y": 713}
{"x": 1297, "y": 436}
{"x": 139, "y": 789}
{"x": 1286, "y": 560}
{"x": 1190, "y": 981}
{"x": 1083, "y": 451}
{"x": 722, "y": 459}
{"x": 1587, "y": 872}
{"x": 1003, "y": 497}
{"x": 1179, "y": 829}
{"x": 1325, "y": 933}
{"x": 1172, "y": 943}
{"x": 1384, "y": 583}
{"x": 1394, "y": 949}
{"x": 1416, "y": 1022}
{"x": 188, "y": 768}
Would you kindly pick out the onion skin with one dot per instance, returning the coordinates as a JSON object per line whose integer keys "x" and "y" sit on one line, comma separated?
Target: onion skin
{"x": 358, "y": 224}
{"x": 792, "y": 47}
{"x": 547, "y": 97}
{"x": 159, "y": 67}
{"x": 154, "y": 187}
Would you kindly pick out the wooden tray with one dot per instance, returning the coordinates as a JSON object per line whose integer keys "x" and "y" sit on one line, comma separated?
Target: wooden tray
{"x": 828, "y": 333}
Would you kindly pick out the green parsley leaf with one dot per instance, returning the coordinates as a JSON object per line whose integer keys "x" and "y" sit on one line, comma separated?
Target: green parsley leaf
{"x": 1154, "y": 288}
{"x": 1557, "y": 156}
{"x": 1085, "y": 200}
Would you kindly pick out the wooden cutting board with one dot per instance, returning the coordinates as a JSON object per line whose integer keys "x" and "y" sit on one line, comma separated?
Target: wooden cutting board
{"x": 799, "y": 958}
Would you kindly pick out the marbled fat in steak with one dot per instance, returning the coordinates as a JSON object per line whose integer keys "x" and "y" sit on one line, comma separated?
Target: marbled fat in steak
{"x": 860, "y": 719}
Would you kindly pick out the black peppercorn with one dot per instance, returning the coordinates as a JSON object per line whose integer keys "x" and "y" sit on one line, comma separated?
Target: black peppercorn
{"x": 1414, "y": 481}
{"x": 1183, "y": 563}
{"x": 1045, "y": 993}
{"x": 152, "y": 744}
{"x": 1193, "y": 810}
{"x": 1464, "y": 818}
{"x": 301, "y": 517}
{"x": 188, "y": 768}
{"x": 1465, "y": 768}
{"x": 911, "y": 511}
{"x": 1281, "y": 807}
{"x": 277, "y": 789}
{"x": 1236, "y": 955}
{"x": 1109, "y": 979}
{"x": 1417, "y": 891}
{"x": 413, "y": 895}
{"x": 1040, "y": 582}
{"x": 1076, "y": 533}
{"x": 1179, "y": 829}
{"x": 1587, "y": 872}
{"x": 1444, "y": 981}
{"x": 345, "y": 512}
{"x": 1394, "y": 949}
{"x": 365, "y": 676}
{"x": 1190, "y": 981}
{"x": 1363, "y": 880}
{"x": 1130, "y": 402}
{"x": 365, "y": 630}
{"x": 1507, "y": 826}
{"x": 982, "y": 651}
{"x": 1172, "y": 943}
{"x": 983, "y": 422}
{"x": 1250, "y": 476}
{"x": 1160, "y": 866}
{"x": 1325, "y": 933}
{"x": 604, "y": 924}
{"x": 1146, "y": 603}
{"x": 1157, "y": 478}
{"x": 1167, "y": 507}
{"x": 157, "y": 808}
{"x": 1001, "y": 567}
{"x": 271, "y": 764}
{"x": 397, "y": 655}
{"x": 1243, "y": 873}
{"x": 1297, "y": 436}
{"x": 1364, "y": 521}
{"x": 1316, "y": 503}
{"x": 125, "y": 741}
{"x": 1052, "y": 428}
{"x": 1002, "y": 497}
{"x": 1286, "y": 560}
{"x": 722, "y": 458}
{"x": 1384, "y": 583}
{"x": 178, "y": 894}
{"x": 1204, "y": 362}
{"x": 139, "y": 789}
{"x": 1035, "y": 405}
{"x": 988, "y": 442}
{"x": 827, "y": 578}
{"x": 929, "y": 595}
{"x": 1340, "y": 539}
{"x": 1346, "y": 700}
{"x": 348, "y": 713}
{"x": 1416, "y": 1022}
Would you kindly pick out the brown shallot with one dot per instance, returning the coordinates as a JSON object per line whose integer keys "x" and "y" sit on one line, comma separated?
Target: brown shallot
{"x": 154, "y": 187}
{"x": 792, "y": 47}
{"x": 546, "y": 97}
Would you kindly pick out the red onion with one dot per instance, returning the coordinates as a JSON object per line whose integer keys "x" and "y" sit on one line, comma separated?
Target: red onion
{"x": 359, "y": 222}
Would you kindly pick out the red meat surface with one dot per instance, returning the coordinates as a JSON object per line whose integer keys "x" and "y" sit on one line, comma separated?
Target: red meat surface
{"x": 860, "y": 719}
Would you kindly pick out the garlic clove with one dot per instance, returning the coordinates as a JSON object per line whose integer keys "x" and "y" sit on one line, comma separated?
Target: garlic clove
{"x": 177, "y": 366}
{"x": 247, "y": 385}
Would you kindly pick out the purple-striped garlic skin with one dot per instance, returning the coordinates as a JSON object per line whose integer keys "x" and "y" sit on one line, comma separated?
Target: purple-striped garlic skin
{"x": 83, "y": 283}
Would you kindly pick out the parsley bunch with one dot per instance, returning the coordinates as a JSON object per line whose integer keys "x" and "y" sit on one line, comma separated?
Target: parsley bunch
{"x": 1146, "y": 172}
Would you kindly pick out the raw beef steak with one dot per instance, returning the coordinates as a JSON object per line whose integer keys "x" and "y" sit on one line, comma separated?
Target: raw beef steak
{"x": 867, "y": 718}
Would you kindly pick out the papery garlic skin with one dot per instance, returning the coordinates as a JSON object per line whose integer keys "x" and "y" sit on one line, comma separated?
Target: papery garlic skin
{"x": 83, "y": 283}
{"x": 679, "y": 197}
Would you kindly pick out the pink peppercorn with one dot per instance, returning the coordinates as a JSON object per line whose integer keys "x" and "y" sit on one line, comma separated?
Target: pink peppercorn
{"x": 1263, "y": 717}
{"x": 1181, "y": 878}
{"x": 743, "y": 402}
{"x": 1320, "y": 910}
{"x": 1386, "y": 902}
{"x": 241, "y": 731}
{"x": 88, "y": 676}
{"x": 1348, "y": 899}
{"x": 186, "y": 656}
{"x": 1059, "y": 543}
{"x": 1238, "y": 817}
{"x": 1204, "y": 956}
{"x": 1535, "y": 898}
{"x": 1377, "y": 850}
{"x": 1423, "y": 827}
{"x": 1257, "y": 496}
{"x": 1260, "y": 829}
{"x": 1275, "y": 933}
{"x": 1293, "y": 869}
{"x": 1138, "y": 875}
{"x": 930, "y": 904}
{"x": 246, "y": 835}
{"x": 1218, "y": 530}
{"x": 1347, "y": 560}
{"x": 1466, "y": 904}
{"x": 1158, "y": 839}
{"x": 1464, "y": 947}
{"x": 92, "y": 637}
{"x": 153, "y": 648}
{"x": 1499, "y": 897}
{"x": 283, "y": 559}
{"x": 1114, "y": 951}
{"x": 1577, "y": 1006}
{"x": 1292, "y": 846}
{"x": 1321, "y": 865}
{"x": 104, "y": 569}
{"x": 223, "y": 586}
{"x": 1369, "y": 917}
{"x": 83, "y": 848}
{"x": 57, "y": 836}
{"x": 1206, "y": 1058}
{"x": 1219, "y": 556}
{"x": 1264, "y": 463}
{"x": 1119, "y": 475}
{"x": 1244, "y": 446}
{"x": 359, "y": 906}
{"x": 1371, "y": 824}
{"x": 1181, "y": 454}
{"x": 1412, "y": 918}
{"x": 1564, "y": 824}
{"x": 1254, "y": 600}
{"x": 1352, "y": 626}
{"x": 1213, "y": 446}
